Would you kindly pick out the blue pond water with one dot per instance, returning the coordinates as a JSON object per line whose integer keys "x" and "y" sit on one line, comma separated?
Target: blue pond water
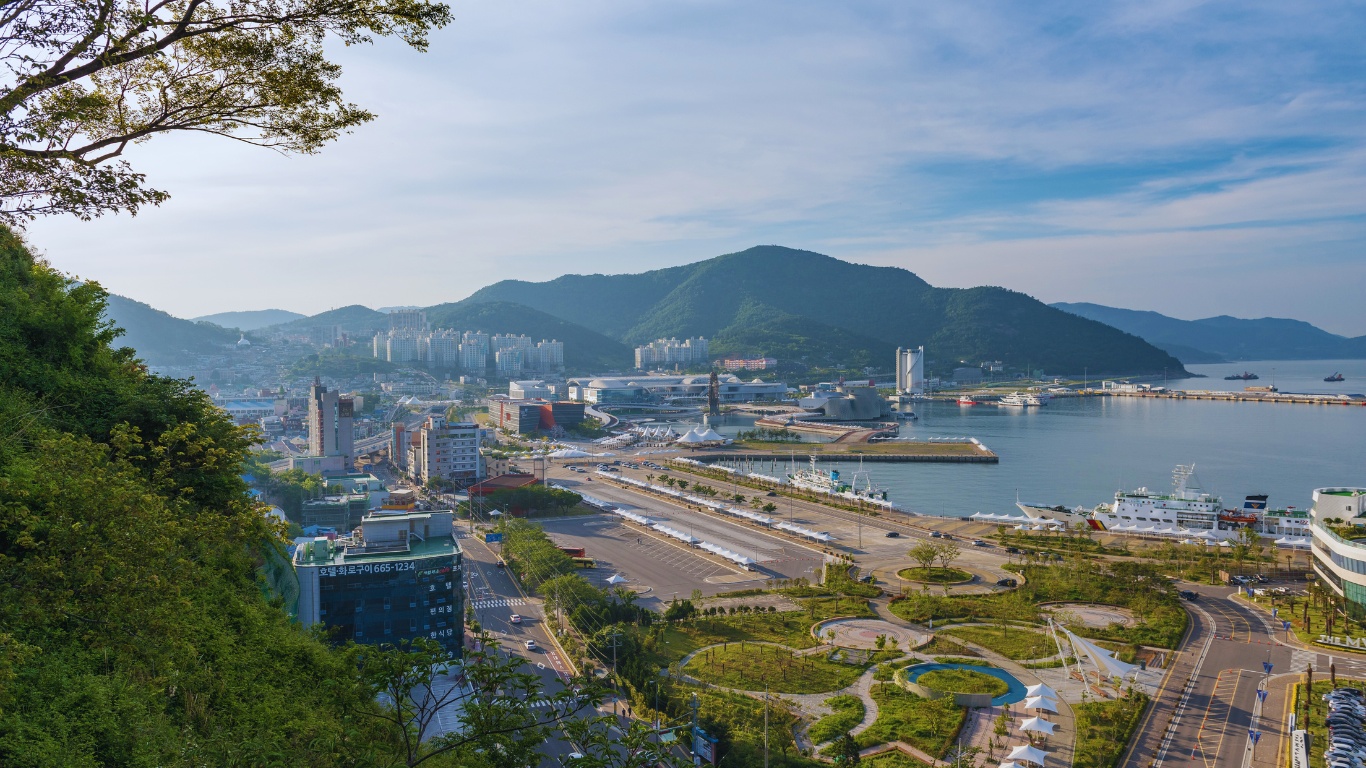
{"x": 1017, "y": 688}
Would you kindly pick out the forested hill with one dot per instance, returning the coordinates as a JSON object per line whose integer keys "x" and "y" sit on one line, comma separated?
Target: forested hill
{"x": 585, "y": 350}
{"x": 804, "y": 306}
{"x": 250, "y": 320}
{"x": 161, "y": 339}
{"x": 1226, "y": 338}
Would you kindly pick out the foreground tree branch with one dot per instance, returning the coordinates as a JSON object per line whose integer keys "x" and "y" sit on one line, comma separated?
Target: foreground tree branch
{"x": 82, "y": 80}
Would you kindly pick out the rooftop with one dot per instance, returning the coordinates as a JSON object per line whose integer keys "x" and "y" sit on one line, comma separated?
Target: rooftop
{"x": 318, "y": 553}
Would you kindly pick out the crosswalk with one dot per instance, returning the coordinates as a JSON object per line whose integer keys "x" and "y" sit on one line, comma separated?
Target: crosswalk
{"x": 500, "y": 602}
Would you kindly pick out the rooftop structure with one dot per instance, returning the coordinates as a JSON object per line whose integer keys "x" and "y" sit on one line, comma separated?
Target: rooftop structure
{"x": 668, "y": 389}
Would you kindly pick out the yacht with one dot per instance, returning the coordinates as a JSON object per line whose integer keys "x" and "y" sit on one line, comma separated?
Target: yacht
{"x": 1021, "y": 400}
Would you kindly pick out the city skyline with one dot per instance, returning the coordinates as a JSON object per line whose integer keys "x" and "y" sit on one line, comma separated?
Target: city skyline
{"x": 1191, "y": 159}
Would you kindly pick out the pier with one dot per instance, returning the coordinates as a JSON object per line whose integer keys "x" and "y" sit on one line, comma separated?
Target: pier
{"x": 1246, "y": 397}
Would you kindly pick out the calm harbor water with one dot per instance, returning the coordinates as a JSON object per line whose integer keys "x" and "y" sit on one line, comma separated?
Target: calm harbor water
{"x": 1081, "y": 450}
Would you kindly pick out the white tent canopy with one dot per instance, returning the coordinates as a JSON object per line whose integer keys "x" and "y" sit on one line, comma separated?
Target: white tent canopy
{"x": 1009, "y": 764}
{"x": 1041, "y": 702}
{"x": 616, "y": 578}
{"x": 571, "y": 453}
{"x": 692, "y": 438}
{"x": 1028, "y": 754}
{"x": 1041, "y": 690}
{"x": 711, "y": 436}
{"x": 1102, "y": 658}
{"x": 1038, "y": 725}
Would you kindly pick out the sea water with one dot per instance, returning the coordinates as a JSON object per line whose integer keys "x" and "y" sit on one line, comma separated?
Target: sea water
{"x": 1081, "y": 450}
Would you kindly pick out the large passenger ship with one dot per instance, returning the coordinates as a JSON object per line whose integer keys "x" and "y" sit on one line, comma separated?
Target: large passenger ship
{"x": 1188, "y": 511}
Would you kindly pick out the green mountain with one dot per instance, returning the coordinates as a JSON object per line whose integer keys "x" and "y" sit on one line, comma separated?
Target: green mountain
{"x": 1214, "y": 339}
{"x": 161, "y": 339}
{"x": 584, "y": 350}
{"x": 353, "y": 319}
{"x": 805, "y": 307}
{"x": 250, "y": 320}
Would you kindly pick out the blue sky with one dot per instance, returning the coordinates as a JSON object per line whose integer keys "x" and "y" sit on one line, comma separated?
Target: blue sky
{"x": 1191, "y": 158}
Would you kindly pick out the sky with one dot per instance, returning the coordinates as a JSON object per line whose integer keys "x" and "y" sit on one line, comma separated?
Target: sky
{"x": 1193, "y": 158}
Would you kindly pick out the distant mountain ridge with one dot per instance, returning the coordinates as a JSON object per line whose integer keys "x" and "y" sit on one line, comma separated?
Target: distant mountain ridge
{"x": 250, "y": 320}
{"x": 161, "y": 339}
{"x": 805, "y": 306}
{"x": 1214, "y": 339}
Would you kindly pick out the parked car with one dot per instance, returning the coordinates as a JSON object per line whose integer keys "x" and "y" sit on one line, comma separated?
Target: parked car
{"x": 979, "y": 543}
{"x": 936, "y": 535}
{"x": 1013, "y": 550}
{"x": 1186, "y": 594}
{"x": 1261, "y": 579}
{"x": 893, "y": 535}
{"x": 1007, "y": 583}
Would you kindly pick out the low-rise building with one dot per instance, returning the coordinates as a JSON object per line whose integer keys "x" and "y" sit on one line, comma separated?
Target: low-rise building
{"x": 522, "y": 417}
{"x": 340, "y": 511}
{"x": 396, "y": 578}
{"x": 530, "y": 390}
{"x": 1340, "y": 561}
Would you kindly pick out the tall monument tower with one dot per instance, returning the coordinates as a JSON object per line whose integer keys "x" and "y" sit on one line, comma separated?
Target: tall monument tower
{"x": 714, "y": 395}
{"x": 910, "y": 371}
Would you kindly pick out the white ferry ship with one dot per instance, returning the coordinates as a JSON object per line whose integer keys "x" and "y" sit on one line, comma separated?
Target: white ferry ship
{"x": 1187, "y": 511}
{"x": 1021, "y": 400}
{"x": 828, "y": 481}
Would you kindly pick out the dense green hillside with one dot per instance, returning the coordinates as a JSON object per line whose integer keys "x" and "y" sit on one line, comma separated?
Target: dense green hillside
{"x": 250, "y": 320}
{"x": 353, "y": 319}
{"x": 161, "y": 339}
{"x": 797, "y": 305}
{"x": 1232, "y": 338}
{"x": 584, "y": 350}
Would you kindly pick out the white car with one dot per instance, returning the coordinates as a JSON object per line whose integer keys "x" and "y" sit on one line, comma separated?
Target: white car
{"x": 515, "y": 619}
{"x": 530, "y": 645}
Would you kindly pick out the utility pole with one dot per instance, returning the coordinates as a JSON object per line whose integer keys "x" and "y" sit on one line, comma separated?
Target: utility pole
{"x": 765, "y": 725}
{"x": 615, "y": 695}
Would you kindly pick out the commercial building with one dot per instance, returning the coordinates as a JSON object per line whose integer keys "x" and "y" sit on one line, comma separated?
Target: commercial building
{"x": 395, "y": 578}
{"x": 319, "y": 465}
{"x": 330, "y": 431}
{"x": 747, "y": 364}
{"x": 670, "y": 389}
{"x": 340, "y": 511}
{"x": 670, "y": 352}
{"x": 1340, "y": 561}
{"x": 910, "y": 371}
{"x": 521, "y": 417}
{"x": 376, "y": 492}
{"x": 530, "y": 390}
{"x": 445, "y": 450}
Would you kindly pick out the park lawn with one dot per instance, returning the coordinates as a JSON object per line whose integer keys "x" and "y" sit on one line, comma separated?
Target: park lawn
{"x": 963, "y": 681}
{"x": 790, "y": 628}
{"x": 1104, "y": 729}
{"x": 926, "y": 724}
{"x": 893, "y": 759}
{"x": 848, "y": 713}
{"x": 743, "y": 719}
{"x": 751, "y": 667}
{"x": 1318, "y": 711}
{"x": 934, "y": 575}
{"x": 943, "y": 644}
{"x": 1012, "y": 642}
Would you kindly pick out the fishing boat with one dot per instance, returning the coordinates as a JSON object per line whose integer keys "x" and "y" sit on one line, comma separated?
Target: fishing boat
{"x": 967, "y": 400}
{"x": 1334, "y": 377}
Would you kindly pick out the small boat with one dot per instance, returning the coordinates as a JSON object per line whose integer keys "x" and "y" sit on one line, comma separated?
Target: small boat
{"x": 1334, "y": 377}
{"x": 967, "y": 400}
{"x": 1244, "y": 376}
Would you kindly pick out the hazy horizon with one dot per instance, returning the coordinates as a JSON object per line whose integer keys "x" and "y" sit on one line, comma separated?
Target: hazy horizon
{"x": 1193, "y": 159}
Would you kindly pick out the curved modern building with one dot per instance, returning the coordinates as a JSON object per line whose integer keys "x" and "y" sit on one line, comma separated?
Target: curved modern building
{"x": 1340, "y": 561}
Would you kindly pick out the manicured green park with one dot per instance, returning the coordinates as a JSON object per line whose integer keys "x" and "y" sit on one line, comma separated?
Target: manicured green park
{"x": 1104, "y": 729}
{"x": 926, "y": 724}
{"x": 1010, "y": 641}
{"x": 935, "y": 575}
{"x": 963, "y": 681}
{"x": 751, "y": 666}
{"x": 848, "y": 712}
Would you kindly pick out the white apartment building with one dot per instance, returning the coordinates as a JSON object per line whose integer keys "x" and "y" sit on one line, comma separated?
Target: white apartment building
{"x": 1340, "y": 561}
{"x": 509, "y": 361}
{"x": 667, "y": 352}
{"x": 447, "y": 450}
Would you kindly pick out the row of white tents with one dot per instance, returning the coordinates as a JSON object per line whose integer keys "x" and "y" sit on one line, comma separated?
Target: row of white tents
{"x": 699, "y": 436}
{"x": 673, "y": 533}
{"x": 725, "y": 509}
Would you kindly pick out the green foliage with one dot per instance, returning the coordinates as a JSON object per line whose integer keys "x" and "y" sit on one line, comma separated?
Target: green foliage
{"x": 1104, "y": 729}
{"x": 928, "y": 725}
{"x": 534, "y": 498}
{"x": 752, "y": 666}
{"x": 848, "y": 712}
{"x": 963, "y": 681}
{"x": 778, "y": 301}
{"x": 845, "y": 751}
{"x": 531, "y": 555}
{"x": 1011, "y": 642}
{"x": 934, "y": 575}
{"x": 338, "y": 364}
{"x": 161, "y": 339}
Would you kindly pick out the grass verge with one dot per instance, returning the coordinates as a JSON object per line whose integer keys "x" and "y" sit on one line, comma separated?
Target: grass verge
{"x": 751, "y": 667}
{"x": 1010, "y": 642}
{"x": 1104, "y": 729}
{"x": 935, "y": 575}
{"x": 963, "y": 681}
{"x": 848, "y": 713}
{"x": 926, "y": 724}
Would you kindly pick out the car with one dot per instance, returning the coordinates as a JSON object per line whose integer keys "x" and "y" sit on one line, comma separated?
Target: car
{"x": 1013, "y": 550}
{"x": 501, "y": 564}
{"x": 936, "y": 535}
{"x": 530, "y": 645}
{"x": 893, "y": 535}
{"x": 1007, "y": 583}
{"x": 979, "y": 543}
{"x": 515, "y": 619}
{"x": 1186, "y": 594}
{"x": 1261, "y": 579}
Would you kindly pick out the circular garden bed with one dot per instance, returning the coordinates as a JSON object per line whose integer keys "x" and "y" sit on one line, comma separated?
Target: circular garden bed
{"x": 964, "y": 681}
{"x": 935, "y": 575}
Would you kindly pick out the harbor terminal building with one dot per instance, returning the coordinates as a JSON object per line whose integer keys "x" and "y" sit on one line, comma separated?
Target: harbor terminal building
{"x": 672, "y": 389}
{"x": 1339, "y": 554}
{"x": 396, "y": 577}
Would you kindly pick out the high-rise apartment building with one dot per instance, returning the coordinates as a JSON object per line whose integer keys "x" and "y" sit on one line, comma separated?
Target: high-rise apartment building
{"x": 669, "y": 352}
{"x": 509, "y": 361}
{"x": 408, "y": 320}
{"x": 329, "y": 423}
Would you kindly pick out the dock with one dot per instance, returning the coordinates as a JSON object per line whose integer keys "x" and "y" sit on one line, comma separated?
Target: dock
{"x": 1247, "y": 397}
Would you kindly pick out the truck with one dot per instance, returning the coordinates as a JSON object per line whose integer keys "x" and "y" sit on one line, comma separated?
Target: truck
{"x": 573, "y": 551}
